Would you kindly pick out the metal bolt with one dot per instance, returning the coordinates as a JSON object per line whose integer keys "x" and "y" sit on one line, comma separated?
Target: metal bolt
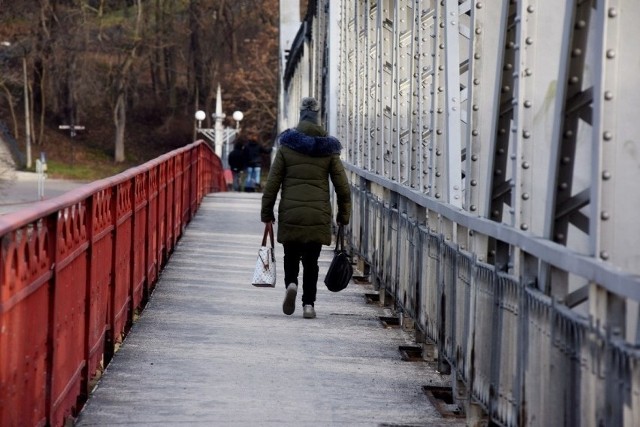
{"x": 495, "y": 214}
{"x": 525, "y": 165}
{"x": 478, "y": 30}
{"x": 437, "y": 195}
{"x": 527, "y": 104}
{"x": 576, "y": 52}
{"x": 472, "y": 208}
{"x": 479, "y": 5}
{"x": 563, "y": 186}
{"x": 526, "y": 134}
{"x": 604, "y": 215}
{"x": 527, "y": 72}
{"x": 530, "y": 9}
{"x": 476, "y": 82}
{"x": 568, "y": 134}
{"x": 560, "y": 236}
{"x": 581, "y": 24}
{"x": 438, "y": 152}
{"x": 476, "y": 55}
{"x": 608, "y": 95}
{"x": 611, "y": 54}
{"x": 606, "y": 175}
{"x": 474, "y": 132}
{"x": 474, "y": 182}
{"x": 528, "y": 41}
{"x": 524, "y": 227}
{"x": 565, "y": 160}
{"x": 574, "y": 80}
{"x": 613, "y": 12}
{"x": 475, "y": 107}
{"x": 525, "y": 196}
{"x": 604, "y": 255}
{"x": 474, "y": 157}
{"x": 607, "y": 135}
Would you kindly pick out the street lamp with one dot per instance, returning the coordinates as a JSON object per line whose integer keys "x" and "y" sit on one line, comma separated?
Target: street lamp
{"x": 200, "y": 116}
{"x": 238, "y": 116}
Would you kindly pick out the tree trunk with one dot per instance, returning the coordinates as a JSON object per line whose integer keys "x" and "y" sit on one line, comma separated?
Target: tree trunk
{"x": 120, "y": 121}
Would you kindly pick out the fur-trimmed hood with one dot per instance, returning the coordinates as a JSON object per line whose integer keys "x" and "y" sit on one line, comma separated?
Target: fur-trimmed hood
{"x": 315, "y": 146}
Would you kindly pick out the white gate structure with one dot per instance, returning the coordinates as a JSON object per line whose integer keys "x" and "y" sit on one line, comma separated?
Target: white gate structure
{"x": 493, "y": 151}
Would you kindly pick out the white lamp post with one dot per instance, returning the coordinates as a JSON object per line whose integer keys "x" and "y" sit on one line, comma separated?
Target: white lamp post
{"x": 238, "y": 116}
{"x": 200, "y": 116}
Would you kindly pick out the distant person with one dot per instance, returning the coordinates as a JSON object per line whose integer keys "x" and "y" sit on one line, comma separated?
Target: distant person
{"x": 304, "y": 163}
{"x": 237, "y": 164}
{"x": 253, "y": 158}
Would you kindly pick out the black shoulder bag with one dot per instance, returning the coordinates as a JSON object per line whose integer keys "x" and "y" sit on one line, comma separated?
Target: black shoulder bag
{"x": 340, "y": 270}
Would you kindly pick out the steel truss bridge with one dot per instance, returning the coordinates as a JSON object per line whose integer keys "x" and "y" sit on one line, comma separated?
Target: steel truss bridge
{"x": 493, "y": 152}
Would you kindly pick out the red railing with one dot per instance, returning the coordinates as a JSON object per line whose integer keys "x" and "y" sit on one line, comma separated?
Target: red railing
{"x": 75, "y": 270}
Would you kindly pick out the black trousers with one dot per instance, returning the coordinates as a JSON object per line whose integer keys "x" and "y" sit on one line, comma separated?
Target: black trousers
{"x": 308, "y": 253}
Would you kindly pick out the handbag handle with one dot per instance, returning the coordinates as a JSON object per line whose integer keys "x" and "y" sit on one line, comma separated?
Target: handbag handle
{"x": 268, "y": 231}
{"x": 340, "y": 239}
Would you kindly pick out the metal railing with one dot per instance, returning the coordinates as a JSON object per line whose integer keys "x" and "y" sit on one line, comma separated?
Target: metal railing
{"x": 74, "y": 271}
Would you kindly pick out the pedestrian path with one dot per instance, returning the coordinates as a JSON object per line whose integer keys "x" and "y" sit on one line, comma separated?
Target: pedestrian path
{"x": 212, "y": 350}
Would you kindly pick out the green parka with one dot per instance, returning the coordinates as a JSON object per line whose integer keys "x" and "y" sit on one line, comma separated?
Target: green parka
{"x": 302, "y": 167}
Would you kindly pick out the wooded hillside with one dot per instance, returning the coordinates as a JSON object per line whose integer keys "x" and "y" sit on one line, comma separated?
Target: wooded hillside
{"x": 135, "y": 71}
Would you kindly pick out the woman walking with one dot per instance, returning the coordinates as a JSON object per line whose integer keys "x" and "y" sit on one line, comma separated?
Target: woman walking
{"x": 304, "y": 163}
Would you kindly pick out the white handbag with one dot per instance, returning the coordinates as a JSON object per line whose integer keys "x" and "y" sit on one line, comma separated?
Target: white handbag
{"x": 264, "y": 276}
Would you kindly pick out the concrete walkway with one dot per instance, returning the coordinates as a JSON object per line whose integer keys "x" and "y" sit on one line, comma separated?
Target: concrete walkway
{"x": 212, "y": 350}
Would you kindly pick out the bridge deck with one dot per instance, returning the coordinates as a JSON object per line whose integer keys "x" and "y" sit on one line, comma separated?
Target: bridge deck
{"x": 210, "y": 349}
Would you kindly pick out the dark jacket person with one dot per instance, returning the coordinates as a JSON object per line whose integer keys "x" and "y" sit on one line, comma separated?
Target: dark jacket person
{"x": 304, "y": 163}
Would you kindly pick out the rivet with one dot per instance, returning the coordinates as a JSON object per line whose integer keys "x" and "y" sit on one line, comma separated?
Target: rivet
{"x": 604, "y": 215}
{"x": 568, "y": 134}
{"x": 438, "y": 152}
{"x": 611, "y": 53}
{"x": 510, "y": 45}
{"x": 528, "y": 41}
{"x": 608, "y": 95}
{"x": 563, "y": 186}
{"x": 525, "y": 196}
{"x": 501, "y": 151}
{"x": 475, "y": 107}
{"x": 479, "y": 5}
{"x": 474, "y": 182}
{"x": 524, "y": 227}
{"x": 478, "y": 30}
{"x": 441, "y": 67}
{"x": 439, "y": 132}
{"x": 441, "y": 46}
{"x": 502, "y": 131}
{"x": 613, "y": 13}
{"x": 525, "y": 165}
{"x": 604, "y": 255}
{"x": 474, "y": 157}
{"x": 607, "y": 135}
{"x": 476, "y": 82}
{"x": 576, "y": 52}
{"x": 526, "y": 134}
{"x": 453, "y": 22}
{"x": 560, "y": 236}
{"x": 574, "y": 79}
{"x": 437, "y": 195}
{"x": 527, "y": 72}
{"x": 495, "y": 213}
{"x": 508, "y": 66}
{"x": 439, "y": 110}
{"x": 606, "y": 175}
{"x": 476, "y": 55}
{"x": 527, "y": 104}
{"x": 474, "y": 132}
{"x": 498, "y": 172}
{"x": 472, "y": 208}
{"x": 565, "y": 160}
{"x": 506, "y": 88}
{"x": 581, "y": 23}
